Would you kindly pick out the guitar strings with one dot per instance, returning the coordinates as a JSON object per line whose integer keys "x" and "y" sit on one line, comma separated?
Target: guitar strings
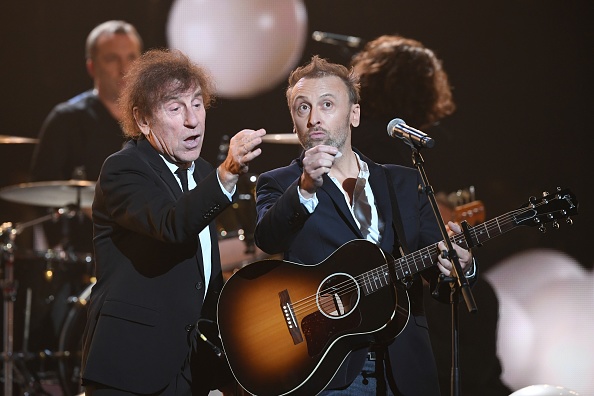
{"x": 500, "y": 224}
{"x": 310, "y": 303}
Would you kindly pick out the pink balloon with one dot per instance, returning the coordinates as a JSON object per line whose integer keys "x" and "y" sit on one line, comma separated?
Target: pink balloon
{"x": 249, "y": 46}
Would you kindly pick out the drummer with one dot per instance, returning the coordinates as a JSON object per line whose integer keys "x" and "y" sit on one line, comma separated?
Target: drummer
{"x": 74, "y": 140}
{"x": 80, "y": 133}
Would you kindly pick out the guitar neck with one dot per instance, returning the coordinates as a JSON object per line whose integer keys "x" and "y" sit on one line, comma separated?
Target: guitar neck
{"x": 550, "y": 208}
{"x": 424, "y": 258}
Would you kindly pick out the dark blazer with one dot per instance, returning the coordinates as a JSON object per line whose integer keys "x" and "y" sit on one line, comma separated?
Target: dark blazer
{"x": 150, "y": 281}
{"x": 285, "y": 226}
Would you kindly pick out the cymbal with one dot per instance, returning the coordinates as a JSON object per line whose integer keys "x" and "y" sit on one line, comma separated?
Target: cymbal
{"x": 53, "y": 194}
{"x": 281, "y": 138}
{"x": 5, "y": 139}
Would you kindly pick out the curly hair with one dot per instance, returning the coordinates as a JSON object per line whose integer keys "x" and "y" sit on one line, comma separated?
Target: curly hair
{"x": 401, "y": 77}
{"x": 155, "y": 76}
{"x": 318, "y": 68}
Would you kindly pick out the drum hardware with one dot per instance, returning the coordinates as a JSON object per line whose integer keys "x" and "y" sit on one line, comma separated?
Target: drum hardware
{"x": 7, "y": 238}
{"x": 15, "y": 369}
{"x": 5, "y": 139}
{"x": 70, "y": 343}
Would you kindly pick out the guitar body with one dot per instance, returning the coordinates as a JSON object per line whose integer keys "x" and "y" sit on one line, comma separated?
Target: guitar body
{"x": 286, "y": 328}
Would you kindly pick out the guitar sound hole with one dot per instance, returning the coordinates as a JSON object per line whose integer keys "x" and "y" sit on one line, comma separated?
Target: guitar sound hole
{"x": 338, "y": 295}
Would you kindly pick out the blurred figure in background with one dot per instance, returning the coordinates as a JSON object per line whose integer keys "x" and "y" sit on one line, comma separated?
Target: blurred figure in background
{"x": 401, "y": 78}
{"x": 74, "y": 140}
{"x": 80, "y": 133}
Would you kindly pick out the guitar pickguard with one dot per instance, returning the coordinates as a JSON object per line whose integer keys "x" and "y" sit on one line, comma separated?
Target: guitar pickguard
{"x": 319, "y": 330}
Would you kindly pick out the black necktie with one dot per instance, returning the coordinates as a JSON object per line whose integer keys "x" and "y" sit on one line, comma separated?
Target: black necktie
{"x": 183, "y": 177}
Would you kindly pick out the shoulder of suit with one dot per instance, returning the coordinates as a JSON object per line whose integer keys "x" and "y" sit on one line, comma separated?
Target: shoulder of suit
{"x": 393, "y": 168}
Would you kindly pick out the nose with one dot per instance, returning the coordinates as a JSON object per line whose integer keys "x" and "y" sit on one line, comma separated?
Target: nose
{"x": 125, "y": 63}
{"x": 313, "y": 118}
{"x": 191, "y": 118}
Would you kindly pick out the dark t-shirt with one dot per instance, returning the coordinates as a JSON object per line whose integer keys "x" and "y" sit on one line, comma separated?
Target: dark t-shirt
{"x": 75, "y": 139}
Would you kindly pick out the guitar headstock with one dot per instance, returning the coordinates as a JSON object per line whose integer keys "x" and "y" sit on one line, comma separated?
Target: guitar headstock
{"x": 549, "y": 208}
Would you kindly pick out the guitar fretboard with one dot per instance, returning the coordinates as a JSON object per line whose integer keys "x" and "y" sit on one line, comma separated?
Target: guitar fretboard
{"x": 413, "y": 263}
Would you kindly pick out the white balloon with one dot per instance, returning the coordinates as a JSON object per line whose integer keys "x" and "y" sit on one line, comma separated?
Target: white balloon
{"x": 515, "y": 341}
{"x": 545, "y": 331}
{"x": 526, "y": 272}
{"x": 249, "y": 46}
{"x": 544, "y": 390}
{"x": 561, "y": 312}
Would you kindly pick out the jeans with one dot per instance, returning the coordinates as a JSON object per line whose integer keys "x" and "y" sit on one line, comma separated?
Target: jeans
{"x": 364, "y": 384}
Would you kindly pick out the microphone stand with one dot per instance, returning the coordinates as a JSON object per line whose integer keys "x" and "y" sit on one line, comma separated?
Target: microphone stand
{"x": 457, "y": 280}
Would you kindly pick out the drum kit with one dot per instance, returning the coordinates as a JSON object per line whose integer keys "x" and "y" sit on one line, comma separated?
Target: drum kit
{"x": 68, "y": 199}
{"x": 46, "y": 275}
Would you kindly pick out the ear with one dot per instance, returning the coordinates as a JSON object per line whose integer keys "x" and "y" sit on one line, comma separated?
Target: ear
{"x": 355, "y": 115}
{"x": 90, "y": 68}
{"x": 142, "y": 122}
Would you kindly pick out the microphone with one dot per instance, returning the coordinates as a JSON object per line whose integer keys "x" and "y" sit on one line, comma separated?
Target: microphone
{"x": 397, "y": 128}
{"x": 336, "y": 39}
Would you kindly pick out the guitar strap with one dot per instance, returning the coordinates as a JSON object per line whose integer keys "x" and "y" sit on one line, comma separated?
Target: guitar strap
{"x": 382, "y": 362}
{"x": 399, "y": 238}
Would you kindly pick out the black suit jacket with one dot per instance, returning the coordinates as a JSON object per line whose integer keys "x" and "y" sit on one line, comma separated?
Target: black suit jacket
{"x": 285, "y": 226}
{"x": 150, "y": 280}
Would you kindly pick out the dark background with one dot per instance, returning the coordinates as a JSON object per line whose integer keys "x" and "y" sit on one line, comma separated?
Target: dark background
{"x": 521, "y": 72}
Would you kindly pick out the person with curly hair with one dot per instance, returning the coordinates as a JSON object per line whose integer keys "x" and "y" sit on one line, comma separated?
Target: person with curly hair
{"x": 400, "y": 78}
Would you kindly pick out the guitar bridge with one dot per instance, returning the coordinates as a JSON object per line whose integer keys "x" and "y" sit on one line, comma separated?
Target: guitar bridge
{"x": 289, "y": 315}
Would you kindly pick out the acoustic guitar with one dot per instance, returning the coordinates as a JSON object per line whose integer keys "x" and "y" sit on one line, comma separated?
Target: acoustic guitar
{"x": 287, "y": 327}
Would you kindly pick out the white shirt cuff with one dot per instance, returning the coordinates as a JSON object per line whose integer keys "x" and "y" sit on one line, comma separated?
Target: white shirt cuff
{"x": 310, "y": 204}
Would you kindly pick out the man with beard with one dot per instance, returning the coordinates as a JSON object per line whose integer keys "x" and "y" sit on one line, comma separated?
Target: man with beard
{"x": 333, "y": 194}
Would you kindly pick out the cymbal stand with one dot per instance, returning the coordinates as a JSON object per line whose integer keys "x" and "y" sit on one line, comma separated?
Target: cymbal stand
{"x": 9, "y": 286}
{"x": 8, "y": 235}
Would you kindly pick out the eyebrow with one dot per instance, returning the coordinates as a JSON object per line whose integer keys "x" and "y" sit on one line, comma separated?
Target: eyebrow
{"x": 323, "y": 96}
{"x": 197, "y": 94}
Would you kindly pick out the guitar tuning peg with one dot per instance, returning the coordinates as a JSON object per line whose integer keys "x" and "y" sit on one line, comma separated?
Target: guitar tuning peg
{"x": 542, "y": 228}
{"x": 555, "y": 225}
{"x": 569, "y": 221}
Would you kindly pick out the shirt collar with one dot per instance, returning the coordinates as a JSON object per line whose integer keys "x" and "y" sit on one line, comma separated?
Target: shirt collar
{"x": 172, "y": 167}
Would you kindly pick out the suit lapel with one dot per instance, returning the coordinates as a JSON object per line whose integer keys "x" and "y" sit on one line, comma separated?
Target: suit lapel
{"x": 339, "y": 201}
{"x": 379, "y": 186}
{"x": 156, "y": 162}
{"x": 158, "y": 165}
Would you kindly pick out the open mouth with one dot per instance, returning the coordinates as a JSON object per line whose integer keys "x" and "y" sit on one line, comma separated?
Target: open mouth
{"x": 192, "y": 141}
